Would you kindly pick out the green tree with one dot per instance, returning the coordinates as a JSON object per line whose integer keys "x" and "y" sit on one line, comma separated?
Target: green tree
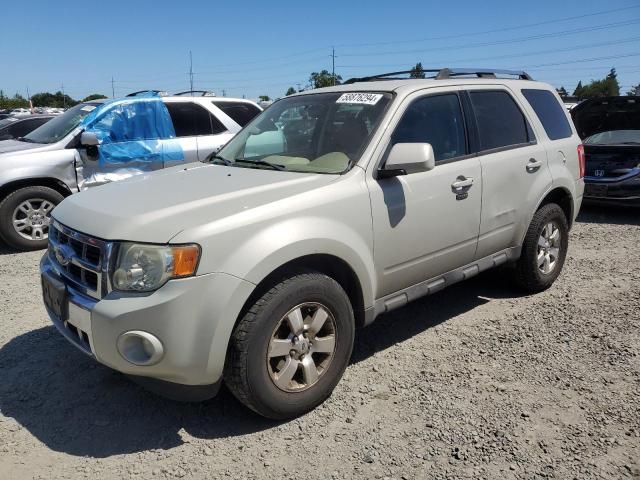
{"x": 578, "y": 91}
{"x": 48, "y": 99}
{"x": 264, "y": 98}
{"x": 417, "y": 71}
{"x": 635, "y": 91}
{"x": 17, "y": 101}
{"x": 562, "y": 92}
{"x": 324, "y": 79}
{"x": 607, "y": 87}
{"x": 290, "y": 91}
{"x": 93, "y": 96}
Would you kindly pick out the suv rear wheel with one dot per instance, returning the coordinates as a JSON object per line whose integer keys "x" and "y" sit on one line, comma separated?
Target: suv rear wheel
{"x": 292, "y": 346}
{"x": 25, "y": 215}
{"x": 544, "y": 249}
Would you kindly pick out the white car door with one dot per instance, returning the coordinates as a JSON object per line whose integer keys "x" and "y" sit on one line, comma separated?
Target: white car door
{"x": 426, "y": 223}
{"x": 189, "y": 121}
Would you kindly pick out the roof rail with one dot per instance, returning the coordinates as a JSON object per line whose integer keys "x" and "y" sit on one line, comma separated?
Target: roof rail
{"x": 147, "y": 92}
{"x": 445, "y": 73}
{"x": 195, "y": 93}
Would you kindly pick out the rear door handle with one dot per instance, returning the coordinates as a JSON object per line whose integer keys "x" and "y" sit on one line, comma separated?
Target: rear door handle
{"x": 462, "y": 183}
{"x": 533, "y": 165}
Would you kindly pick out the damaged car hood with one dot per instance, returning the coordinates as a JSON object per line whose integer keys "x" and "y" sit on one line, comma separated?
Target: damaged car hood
{"x": 154, "y": 207}
{"x": 605, "y": 114}
{"x": 15, "y": 146}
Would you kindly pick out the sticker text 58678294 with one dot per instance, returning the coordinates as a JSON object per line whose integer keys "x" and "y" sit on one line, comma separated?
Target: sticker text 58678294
{"x": 359, "y": 97}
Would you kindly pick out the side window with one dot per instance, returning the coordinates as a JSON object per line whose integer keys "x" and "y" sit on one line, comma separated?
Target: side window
{"x": 240, "y": 112}
{"x": 191, "y": 120}
{"x": 550, "y": 112}
{"x": 20, "y": 129}
{"x": 436, "y": 120}
{"x": 501, "y": 123}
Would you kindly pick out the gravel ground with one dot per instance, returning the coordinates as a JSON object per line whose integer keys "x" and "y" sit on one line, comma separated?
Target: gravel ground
{"x": 475, "y": 382}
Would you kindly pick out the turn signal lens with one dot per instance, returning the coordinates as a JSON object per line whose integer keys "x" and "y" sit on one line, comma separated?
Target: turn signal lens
{"x": 185, "y": 260}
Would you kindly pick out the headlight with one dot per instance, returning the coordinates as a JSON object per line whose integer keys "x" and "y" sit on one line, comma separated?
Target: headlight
{"x": 144, "y": 268}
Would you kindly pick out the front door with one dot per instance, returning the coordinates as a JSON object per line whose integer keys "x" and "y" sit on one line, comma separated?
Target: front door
{"x": 426, "y": 224}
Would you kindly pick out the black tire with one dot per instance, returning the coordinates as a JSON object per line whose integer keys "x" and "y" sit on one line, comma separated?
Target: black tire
{"x": 247, "y": 370}
{"x": 7, "y": 207}
{"x": 528, "y": 274}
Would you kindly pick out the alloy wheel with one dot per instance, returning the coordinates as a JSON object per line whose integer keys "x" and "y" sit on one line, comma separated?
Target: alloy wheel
{"x": 31, "y": 219}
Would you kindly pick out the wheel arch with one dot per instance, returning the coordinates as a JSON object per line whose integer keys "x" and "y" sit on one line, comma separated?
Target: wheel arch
{"x": 53, "y": 183}
{"x": 562, "y": 197}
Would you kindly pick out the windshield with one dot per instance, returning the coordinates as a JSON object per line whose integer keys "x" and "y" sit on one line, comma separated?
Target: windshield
{"x": 614, "y": 137}
{"x": 320, "y": 133}
{"x": 59, "y": 127}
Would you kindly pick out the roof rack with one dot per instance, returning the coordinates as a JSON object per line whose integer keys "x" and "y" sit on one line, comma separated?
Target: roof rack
{"x": 146, "y": 92}
{"x": 195, "y": 93}
{"x": 445, "y": 73}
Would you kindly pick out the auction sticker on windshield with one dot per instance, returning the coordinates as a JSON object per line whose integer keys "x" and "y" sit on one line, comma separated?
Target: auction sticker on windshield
{"x": 360, "y": 98}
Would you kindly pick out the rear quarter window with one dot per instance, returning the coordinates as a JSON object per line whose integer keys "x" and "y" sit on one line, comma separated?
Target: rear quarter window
{"x": 240, "y": 112}
{"x": 550, "y": 113}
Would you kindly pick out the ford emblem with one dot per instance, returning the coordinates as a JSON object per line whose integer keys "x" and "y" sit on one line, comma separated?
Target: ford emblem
{"x": 63, "y": 254}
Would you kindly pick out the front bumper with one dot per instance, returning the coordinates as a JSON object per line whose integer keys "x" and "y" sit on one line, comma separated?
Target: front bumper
{"x": 618, "y": 191}
{"x": 193, "y": 318}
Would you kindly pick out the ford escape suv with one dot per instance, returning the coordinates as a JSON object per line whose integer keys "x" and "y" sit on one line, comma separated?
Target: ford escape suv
{"x": 137, "y": 134}
{"x": 330, "y": 208}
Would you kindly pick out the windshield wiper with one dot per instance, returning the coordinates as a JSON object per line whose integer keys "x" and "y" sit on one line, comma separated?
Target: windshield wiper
{"x": 23, "y": 139}
{"x": 213, "y": 158}
{"x": 273, "y": 166}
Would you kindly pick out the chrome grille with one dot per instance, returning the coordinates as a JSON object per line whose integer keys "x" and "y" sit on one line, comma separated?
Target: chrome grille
{"x": 82, "y": 260}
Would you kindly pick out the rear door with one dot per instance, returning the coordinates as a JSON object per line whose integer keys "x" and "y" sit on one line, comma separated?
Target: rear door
{"x": 514, "y": 167}
{"x": 190, "y": 121}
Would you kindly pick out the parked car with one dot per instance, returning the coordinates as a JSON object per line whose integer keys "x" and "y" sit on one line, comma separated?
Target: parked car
{"x": 16, "y": 127}
{"x": 67, "y": 155}
{"x": 610, "y": 129}
{"x": 256, "y": 268}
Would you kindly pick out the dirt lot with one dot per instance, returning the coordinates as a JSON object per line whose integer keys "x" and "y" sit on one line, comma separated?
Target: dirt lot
{"x": 474, "y": 382}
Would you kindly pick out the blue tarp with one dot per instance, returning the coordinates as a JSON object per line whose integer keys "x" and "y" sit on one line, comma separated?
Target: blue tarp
{"x": 133, "y": 129}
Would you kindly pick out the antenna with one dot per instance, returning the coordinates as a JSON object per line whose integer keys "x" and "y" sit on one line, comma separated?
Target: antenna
{"x": 190, "y": 71}
{"x": 113, "y": 90}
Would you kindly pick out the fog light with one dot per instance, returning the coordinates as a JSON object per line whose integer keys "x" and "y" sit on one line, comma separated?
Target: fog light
{"x": 140, "y": 348}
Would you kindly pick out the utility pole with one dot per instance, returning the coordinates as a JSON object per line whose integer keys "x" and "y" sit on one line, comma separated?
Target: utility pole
{"x": 190, "y": 71}
{"x": 64, "y": 99}
{"x": 299, "y": 90}
{"x": 333, "y": 65}
{"x": 29, "y": 98}
{"x": 113, "y": 90}
{"x": 224, "y": 93}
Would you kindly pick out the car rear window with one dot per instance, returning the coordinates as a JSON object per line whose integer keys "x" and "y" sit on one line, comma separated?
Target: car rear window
{"x": 501, "y": 123}
{"x": 240, "y": 112}
{"x": 550, "y": 113}
{"x": 191, "y": 120}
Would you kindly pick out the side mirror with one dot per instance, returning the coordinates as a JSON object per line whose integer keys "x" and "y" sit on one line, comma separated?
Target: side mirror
{"x": 407, "y": 158}
{"x": 89, "y": 139}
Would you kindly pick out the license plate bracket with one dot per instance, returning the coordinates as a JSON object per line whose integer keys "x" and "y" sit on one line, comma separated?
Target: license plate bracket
{"x": 54, "y": 294}
{"x": 594, "y": 190}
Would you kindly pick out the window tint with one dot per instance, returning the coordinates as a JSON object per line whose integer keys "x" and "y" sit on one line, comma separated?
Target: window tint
{"x": 240, "y": 112}
{"x": 436, "y": 120}
{"x": 501, "y": 123}
{"x": 20, "y": 129}
{"x": 190, "y": 120}
{"x": 550, "y": 113}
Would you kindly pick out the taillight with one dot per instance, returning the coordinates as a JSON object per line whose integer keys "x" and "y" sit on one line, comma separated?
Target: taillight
{"x": 581, "y": 160}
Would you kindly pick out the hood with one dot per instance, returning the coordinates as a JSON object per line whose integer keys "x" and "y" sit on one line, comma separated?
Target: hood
{"x": 154, "y": 207}
{"x": 605, "y": 114}
{"x": 7, "y": 146}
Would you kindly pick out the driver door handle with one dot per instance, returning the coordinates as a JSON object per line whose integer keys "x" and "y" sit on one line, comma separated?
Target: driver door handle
{"x": 462, "y": 183}
{"x": 533, "y": 165}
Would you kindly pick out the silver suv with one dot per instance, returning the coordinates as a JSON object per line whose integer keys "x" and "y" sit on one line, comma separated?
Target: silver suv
{"x": 57, "y": 159}
{"x": 330, "y": 208}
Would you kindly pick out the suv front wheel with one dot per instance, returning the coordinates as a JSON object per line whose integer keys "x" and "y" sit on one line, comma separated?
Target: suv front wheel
{"x": 292, "y": 346}
{"x": 544, "y": 249}
{"x": 25, "y": 215}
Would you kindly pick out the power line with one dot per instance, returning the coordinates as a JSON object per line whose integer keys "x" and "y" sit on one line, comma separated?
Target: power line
{"x": 501, "y": 42}
{"x": 505, "y": 29}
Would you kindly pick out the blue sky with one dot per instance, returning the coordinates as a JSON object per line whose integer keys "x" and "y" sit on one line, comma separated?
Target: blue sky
{"x": 252, "y": 48}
